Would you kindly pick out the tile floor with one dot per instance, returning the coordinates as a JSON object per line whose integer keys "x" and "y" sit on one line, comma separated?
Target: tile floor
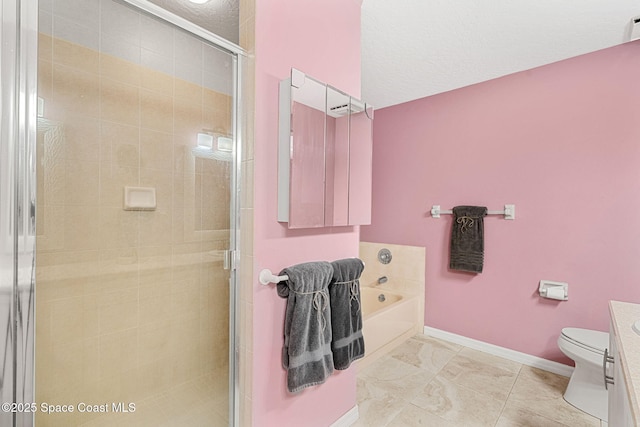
{"x": 430, "y": 382}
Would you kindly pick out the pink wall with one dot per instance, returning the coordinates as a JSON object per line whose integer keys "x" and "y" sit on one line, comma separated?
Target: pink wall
{"x": 561, "y": 142}
{"x": 321, "y": 38}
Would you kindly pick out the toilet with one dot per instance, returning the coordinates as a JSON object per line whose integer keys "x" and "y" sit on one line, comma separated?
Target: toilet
{"x": 586, "y": 390}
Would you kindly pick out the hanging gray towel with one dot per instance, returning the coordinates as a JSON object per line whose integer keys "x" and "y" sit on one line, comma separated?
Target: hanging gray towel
{"x": 346, "y": 317}
{"x": 306, "y": 354}
{"x": 467, "y": 239}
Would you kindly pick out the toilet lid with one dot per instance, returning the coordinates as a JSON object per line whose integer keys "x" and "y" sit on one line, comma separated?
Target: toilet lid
{"x": 594, "y": 340}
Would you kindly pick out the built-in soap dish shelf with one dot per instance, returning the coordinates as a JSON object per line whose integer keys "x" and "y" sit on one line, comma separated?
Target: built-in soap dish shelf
{"x": 636, "y": 327}
{"x": 139, "y": 199}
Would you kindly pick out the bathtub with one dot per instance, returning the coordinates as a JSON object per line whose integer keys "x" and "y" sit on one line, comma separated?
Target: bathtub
{"x": 389, "y": 318}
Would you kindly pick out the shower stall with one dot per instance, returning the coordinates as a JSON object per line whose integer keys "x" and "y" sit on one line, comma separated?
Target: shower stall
{"x": 119, "y": 216}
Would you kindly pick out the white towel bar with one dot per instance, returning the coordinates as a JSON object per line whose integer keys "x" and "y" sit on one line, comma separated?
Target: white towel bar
{"x": 266, "y": 277}
{"x": 509, "y": 212}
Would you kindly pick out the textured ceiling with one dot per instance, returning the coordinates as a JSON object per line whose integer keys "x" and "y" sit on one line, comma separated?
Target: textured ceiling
{"x": 416, "y": 48}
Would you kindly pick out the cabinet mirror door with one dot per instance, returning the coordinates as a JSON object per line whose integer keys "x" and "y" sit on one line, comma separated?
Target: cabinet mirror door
{"x": 307, "y": 153}
{"x": 337, "y": 158}
{"x": 324, "y": 158}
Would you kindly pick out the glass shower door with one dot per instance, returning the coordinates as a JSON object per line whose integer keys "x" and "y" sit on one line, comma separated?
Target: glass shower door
{"x": 136, "y": 171}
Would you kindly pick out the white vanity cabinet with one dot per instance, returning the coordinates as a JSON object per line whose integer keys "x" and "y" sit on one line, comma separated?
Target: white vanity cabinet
{"x": 619, "y": 406}
{"x": 621, "y": 365}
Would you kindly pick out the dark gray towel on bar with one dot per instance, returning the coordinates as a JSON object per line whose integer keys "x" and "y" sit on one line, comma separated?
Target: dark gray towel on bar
{"x": 467, "y": 239}
{"x": 306, "y": 354}
{"x": 346, "y": 317}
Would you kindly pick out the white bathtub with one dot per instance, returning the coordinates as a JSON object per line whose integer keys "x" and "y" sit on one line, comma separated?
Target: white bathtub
{"x": 388, "y": 323}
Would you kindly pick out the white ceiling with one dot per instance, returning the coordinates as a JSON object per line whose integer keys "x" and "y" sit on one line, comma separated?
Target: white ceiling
{"x": 416, "y": 48}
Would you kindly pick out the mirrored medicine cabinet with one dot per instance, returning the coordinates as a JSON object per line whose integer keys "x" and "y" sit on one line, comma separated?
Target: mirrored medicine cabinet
{"x": 324, "y": 156}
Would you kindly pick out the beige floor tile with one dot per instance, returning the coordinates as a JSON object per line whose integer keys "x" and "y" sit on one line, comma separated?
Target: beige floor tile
{"x": 534, "y": 382}
{"x": 458, "y": 404}
{"x": 446, "y": 344}
{"x": 413, "y": 416}
{"x": 490, "y": 359}
{"x": 513, "y": 416}
{"x": 385, "y": 388}
{"x": 390, "y": 369}
{"x": 377, "y": 406}
{"x": 427, "y": 381}
{"x": 482, "y": 373}
{"x": 426, "y": 353}
{"x": 541, "y": 392}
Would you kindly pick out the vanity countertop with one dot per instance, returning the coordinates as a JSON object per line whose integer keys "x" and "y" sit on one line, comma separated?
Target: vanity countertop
{"x": 623, "y": 316}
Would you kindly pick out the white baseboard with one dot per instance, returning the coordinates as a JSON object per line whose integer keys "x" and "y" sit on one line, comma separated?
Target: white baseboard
{"x": 348, "y": 418}
{"x": 516, "y": 356}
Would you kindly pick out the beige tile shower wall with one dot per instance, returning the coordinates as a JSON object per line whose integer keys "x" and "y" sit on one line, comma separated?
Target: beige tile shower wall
{"x": 246, "y": 278}
{"x": 129, "y": 304}
{"x": 406, "y": 271}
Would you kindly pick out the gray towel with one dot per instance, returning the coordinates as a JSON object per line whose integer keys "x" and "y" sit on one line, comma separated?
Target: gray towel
{"x": 306, "y": 354}
{"x": 467, "y": 239}
{"x": 346, "y": 317}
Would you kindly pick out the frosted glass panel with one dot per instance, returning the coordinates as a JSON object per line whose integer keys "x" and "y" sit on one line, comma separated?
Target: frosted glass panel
{"x": 133, "y": 301}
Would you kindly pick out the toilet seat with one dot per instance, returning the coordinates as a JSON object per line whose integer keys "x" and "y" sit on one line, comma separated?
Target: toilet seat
{"x": 593, "y": 341}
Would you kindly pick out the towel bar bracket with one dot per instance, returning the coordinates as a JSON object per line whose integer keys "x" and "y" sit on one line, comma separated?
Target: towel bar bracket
{"x": 266, "y": 277}
{"x": 509, "y": 212}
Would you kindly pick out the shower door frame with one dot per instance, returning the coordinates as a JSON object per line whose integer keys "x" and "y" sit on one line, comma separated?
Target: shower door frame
{"x": 232, "y": 257}
{"x": 19, "y": 111}
{"x": 18, "y": 114}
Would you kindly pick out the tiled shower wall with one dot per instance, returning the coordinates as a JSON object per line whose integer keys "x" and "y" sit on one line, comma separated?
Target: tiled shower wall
{"x": 129, "y": 304}
{"x": 246, "y": 277}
